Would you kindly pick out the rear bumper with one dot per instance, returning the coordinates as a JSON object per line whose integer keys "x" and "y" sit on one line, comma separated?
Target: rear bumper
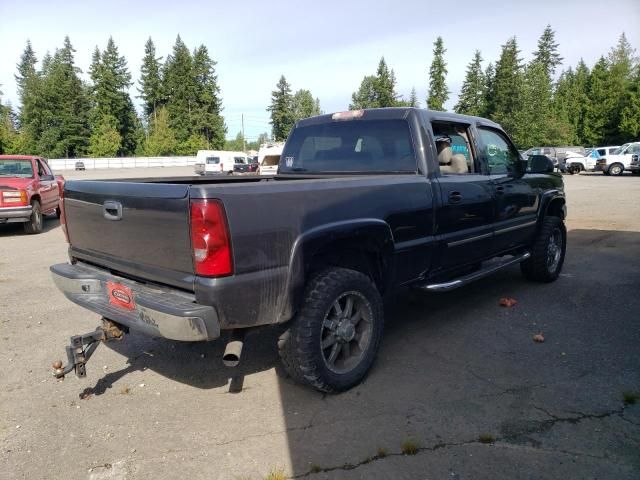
{"x": 15, "y": 214}
{"x": 157, "y": 311}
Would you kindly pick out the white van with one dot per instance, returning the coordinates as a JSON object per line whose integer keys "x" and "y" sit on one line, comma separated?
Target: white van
{"x": 209, "y": 162}
{"x": 269, "y": 157}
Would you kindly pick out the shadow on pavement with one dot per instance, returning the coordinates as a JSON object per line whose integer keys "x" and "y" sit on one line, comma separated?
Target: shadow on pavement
{"x": 11, "y": 229}
{"x": 457, "y": 374}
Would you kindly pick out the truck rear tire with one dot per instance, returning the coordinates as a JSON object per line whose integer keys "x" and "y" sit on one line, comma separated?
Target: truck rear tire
{"x": 332, "y": 342}
{"x": 547, "y": 253}
{"x": 34, "y": 225}
{"x": 616, "y": 169}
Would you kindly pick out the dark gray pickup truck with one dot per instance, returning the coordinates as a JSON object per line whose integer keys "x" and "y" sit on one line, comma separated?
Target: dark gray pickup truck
{"x": 365, "y": 204}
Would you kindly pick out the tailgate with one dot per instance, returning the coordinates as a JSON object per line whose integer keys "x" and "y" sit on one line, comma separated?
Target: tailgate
{"x": 140, "y": 229}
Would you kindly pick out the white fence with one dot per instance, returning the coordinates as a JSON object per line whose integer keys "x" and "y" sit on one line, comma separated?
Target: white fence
{"x": 121, "y": 162}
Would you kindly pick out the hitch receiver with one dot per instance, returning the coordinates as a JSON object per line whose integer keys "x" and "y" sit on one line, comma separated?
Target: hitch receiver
{"x": 83, "y": 346}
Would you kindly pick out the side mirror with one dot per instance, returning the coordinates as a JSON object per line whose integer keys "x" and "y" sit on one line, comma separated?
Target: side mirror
{"x": 540, "y": 164}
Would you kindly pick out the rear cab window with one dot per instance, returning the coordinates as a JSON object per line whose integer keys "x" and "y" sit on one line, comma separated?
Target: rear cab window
{"x": 350, "y": 146}
{"x": 213, "y": 160}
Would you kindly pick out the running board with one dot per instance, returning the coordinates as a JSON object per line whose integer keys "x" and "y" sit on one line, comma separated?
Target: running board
{"x": 472, "y": 277}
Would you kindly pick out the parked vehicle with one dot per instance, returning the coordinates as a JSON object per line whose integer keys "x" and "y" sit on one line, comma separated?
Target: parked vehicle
{"x": 269, "y": 157}
{"x": 366, "y": 204}
{"x": 28, "y": 190}
{"x": 220, "y": 162}
{"x": 625, "y": 158}
{"x": 576, "y": 163}
{"x": 79, "y": 166}
{"x": 253, "y": 164}
{"x": 556, "y": 154}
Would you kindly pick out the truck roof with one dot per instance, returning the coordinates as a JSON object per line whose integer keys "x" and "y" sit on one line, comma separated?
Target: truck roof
{"x": 19, "y": 157}
{"x": 390, "y": 113}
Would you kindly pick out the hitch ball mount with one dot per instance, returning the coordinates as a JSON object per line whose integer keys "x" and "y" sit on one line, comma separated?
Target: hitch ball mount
{"x": 83, "y": 346}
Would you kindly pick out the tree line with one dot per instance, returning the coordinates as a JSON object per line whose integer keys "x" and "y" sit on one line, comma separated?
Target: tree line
{"x": 60, "y": 115}
{"x": 584, "y": 106}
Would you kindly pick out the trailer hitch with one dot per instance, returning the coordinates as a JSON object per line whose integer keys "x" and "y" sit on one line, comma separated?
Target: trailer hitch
{"x": 83, "y": 346}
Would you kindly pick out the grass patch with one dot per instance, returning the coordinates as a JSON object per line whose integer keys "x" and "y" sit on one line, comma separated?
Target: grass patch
{"x": 486, "y": 438}
{"x": 315, "y": 468}
{"x": 276, "y": 474}
{"x": 410, "y": 447}
{"x": 630, "y": 398}
{"x": 382, "y": 452}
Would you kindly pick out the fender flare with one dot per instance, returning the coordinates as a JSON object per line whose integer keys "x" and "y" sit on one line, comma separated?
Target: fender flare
{"x": 374, "y": 234}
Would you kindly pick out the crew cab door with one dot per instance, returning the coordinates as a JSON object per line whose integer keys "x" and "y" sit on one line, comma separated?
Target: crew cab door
{"x": 466, "y": 214}
{"x": 48, "y": 186}
{"x": 515, "y": 200}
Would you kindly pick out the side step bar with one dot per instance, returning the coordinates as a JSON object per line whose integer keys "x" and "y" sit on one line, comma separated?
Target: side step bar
{"x": 472, "y": 277}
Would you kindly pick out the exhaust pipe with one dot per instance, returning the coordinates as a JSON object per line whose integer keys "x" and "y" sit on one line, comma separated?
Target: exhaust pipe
{"x": 233, "y": 350}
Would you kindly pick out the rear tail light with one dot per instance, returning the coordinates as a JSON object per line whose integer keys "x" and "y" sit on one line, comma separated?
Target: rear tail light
{"x": 63, "y": 217}
{"x": 210, "y": 238}
{"x": 15, "y": 197}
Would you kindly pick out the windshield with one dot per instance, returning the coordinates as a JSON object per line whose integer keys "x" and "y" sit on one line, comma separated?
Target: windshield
{"x": 213, "y": 160}
{"x": 242, "y": 160}
{"x": 350, "y": 146}
{"x": 15, "y": 167}
{"x": 621, "y": 149}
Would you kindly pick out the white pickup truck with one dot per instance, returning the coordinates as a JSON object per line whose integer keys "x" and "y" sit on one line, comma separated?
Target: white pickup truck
{"x": 627, "y": 157}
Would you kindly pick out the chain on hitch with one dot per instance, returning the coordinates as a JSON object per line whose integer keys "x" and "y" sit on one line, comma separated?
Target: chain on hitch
{"x": 83, "y": 346}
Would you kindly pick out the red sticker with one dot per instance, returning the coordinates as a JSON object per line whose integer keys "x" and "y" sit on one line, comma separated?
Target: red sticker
{"x": 120, "y": 296}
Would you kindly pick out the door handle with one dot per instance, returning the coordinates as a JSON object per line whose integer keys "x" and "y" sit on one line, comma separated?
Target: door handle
{"x": 499, "y": 190}
{"x": 112, "y": 210}
{"x": 455, "y": 197}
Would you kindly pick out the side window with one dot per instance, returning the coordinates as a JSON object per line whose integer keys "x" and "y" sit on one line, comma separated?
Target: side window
{"x": 43, "y": 170}
{"x": 602, "y": 151}
{"x": 455, "y": 154}
{"x": 501, "y": 156}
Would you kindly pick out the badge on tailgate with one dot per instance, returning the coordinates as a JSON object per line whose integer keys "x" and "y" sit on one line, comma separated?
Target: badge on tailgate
{"x": 120, "y": 296}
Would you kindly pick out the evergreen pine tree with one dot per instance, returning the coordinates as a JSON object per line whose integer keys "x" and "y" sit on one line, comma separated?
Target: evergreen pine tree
{"x": 161, "y": 140}
{"x": 208, "y": 124}
{"x": 150, "y": 81}
{"x": 595, "y": 116}
{"x": 30, "y": 114}
{"x": 504, "y": 98}
{"x": 281, "y": 109}
{"x": 385, "y": 86}
{"x": 630, "y": 117}
{"x": 489, "y": 77}
{"x": 304, "y": 105}
{"x": 547, "y": 53}
{"x": 366, "y": 96}
{"x": 617, "y": 86}
{"x": 111, "y": 81}
{"x": 178, "y": 88}
{"x": 472, "y": 95}
{"x": 438, "y": 92}
{"x": 413, "y": 99}
{"x": 105, "y": 139}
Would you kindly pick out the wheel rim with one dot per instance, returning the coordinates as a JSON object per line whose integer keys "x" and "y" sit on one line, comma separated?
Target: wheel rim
{"x": 37, "y": 218}
{"x": 554, "y": 250}
{"x": 615, "y": 170}
{"x": 346, "y": 332}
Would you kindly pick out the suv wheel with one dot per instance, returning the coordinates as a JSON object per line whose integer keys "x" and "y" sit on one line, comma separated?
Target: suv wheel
{"x": 616, "y": 169}
{"x": 332, "y": 342}
{"x": 547, "y": 253}
{"x": 34, "y": 225}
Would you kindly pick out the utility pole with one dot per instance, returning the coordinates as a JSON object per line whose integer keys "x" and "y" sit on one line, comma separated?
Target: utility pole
{"x": 244, "y": 143}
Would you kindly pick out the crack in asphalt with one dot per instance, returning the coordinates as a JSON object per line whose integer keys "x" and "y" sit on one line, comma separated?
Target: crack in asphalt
{"x": 535, "y": 426}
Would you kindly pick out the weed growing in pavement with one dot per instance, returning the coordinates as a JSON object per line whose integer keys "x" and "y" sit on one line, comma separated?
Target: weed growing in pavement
{"x": 276, "y": 474}
{"x": 410, "y": 447}
{"x": 486, "y": 438}
{"x": 382, "y": 452}
{"x": 315, "y": 468}
{"x": 630, "y": 398}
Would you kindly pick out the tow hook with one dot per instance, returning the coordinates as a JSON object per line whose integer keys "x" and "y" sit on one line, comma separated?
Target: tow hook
{"x": 83, "y": 346}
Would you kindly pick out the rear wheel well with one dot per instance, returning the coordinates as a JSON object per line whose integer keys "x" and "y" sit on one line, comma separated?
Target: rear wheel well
{"x": 556, "y": 208}
{"x": 368, "y": 262}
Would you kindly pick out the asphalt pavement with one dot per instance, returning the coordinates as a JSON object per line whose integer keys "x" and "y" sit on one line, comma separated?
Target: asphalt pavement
{"x": 459, "y": 390}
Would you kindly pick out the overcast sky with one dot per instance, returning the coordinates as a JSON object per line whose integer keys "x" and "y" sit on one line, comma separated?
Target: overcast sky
{"x": 324, "y": 46}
